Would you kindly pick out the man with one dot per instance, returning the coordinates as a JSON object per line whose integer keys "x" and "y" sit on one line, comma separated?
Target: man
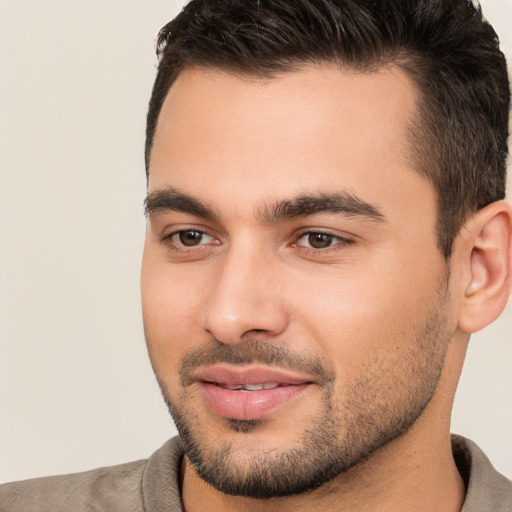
{"x": 326, "y": 228}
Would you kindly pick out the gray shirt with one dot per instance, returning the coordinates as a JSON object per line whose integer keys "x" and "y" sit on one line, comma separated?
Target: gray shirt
{"x": 152, "y": 485}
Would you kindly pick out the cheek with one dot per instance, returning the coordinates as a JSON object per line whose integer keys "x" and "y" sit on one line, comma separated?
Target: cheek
{"x": 356, "y": 318}
{"x": 171, "y": 305}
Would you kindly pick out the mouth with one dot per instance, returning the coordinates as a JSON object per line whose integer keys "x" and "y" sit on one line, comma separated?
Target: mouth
{"x": 250, "y": 387}
{"x": 249, "y": 393}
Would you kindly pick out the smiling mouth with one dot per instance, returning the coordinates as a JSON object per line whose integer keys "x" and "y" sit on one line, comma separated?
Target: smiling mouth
{"x": 250, "y": 400}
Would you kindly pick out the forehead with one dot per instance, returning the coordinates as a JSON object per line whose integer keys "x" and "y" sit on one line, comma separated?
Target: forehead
{"x": 226, "y": 137}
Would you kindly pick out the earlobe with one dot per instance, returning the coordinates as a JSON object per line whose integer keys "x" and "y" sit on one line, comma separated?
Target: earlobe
{"x": 489, "y": 258}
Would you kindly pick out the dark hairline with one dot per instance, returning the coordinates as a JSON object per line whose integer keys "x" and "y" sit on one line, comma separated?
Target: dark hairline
{"x": 398, "y": 60}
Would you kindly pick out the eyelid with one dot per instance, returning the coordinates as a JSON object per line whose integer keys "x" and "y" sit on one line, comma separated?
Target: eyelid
{"x": 325, "y": 231}
{"x": 179, "y": 227}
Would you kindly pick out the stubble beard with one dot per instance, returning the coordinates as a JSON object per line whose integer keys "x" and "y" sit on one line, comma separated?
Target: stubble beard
{"x": 380, "y": 406}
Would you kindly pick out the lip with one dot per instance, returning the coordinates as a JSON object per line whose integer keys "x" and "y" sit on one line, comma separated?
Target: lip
{"x": 249, "y": 405}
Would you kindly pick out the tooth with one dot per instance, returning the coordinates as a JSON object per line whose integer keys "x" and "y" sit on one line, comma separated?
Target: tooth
{"x": 232, "y": 388}
{"x": 249, "y": 387}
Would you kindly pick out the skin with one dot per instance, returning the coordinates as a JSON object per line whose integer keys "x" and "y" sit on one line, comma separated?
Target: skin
{"x": 381, "y": 309}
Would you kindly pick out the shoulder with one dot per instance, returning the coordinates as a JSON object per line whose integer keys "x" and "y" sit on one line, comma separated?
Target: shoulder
{"x": 115, "y": 488}
{"x": 144, "y": 485}
{"x": 486, "y": 488}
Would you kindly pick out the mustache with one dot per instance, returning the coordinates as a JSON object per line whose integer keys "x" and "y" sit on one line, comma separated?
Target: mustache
{"x": 256, "y": 352}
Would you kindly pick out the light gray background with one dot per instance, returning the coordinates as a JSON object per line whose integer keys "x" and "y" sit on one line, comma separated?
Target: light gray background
{"x": 76, "y": 387}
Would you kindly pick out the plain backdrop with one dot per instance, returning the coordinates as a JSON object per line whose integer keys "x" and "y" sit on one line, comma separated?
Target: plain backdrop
{"x": 76, "y": 387}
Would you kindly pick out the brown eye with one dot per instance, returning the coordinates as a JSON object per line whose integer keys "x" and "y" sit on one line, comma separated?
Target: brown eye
{"x": 320, "y": 240}
{"x": 190, "y": 238}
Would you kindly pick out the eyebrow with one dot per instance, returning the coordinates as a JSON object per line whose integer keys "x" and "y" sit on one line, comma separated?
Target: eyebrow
{"x": 342, "y": 202}
{"x": 172, "y": 199}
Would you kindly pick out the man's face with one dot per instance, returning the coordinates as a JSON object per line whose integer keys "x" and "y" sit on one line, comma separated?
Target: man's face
{"x": 295, "y": 303}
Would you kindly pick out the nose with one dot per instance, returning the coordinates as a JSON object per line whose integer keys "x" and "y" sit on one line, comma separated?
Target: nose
{"x": 247, "y": 300}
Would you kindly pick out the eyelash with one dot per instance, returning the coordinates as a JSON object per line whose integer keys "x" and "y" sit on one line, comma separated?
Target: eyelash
{"x": 341, "y": 242}
{"x": 168, "y": 240}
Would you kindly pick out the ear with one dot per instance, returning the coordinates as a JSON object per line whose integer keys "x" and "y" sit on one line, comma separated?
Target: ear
{"x": 487, "y": 251}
